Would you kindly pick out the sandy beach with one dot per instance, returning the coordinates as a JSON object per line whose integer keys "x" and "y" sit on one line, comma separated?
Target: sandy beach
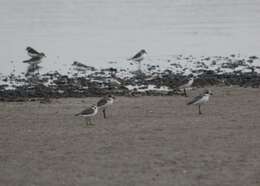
{"x": 144, "y": 141}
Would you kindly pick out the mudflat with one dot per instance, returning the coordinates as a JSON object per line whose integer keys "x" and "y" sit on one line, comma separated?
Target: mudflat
{"x": 144, "y": 141}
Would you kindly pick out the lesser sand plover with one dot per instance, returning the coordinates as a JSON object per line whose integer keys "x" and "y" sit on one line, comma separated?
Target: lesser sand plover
{"x": 88, "y": 113}
{"x": 105, "y": 102}
{"x": 201, "y": 99}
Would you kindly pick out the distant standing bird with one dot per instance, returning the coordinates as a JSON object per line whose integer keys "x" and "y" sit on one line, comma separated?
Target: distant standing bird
{"x": 201, "y": 99}
{"x": 105, "y": 102}
{"x": 88, "y": 113}
{"x": 33, "y": 53}
{"x": 185, "y": 85}
{"x": 36, "y": 58}
{"x": 33, "y": 64}
{"x": 138, "y": 57}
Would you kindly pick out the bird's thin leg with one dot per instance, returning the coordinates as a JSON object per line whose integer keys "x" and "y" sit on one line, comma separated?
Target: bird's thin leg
{"x": 139, "y": 66}
{"x": 33, "y": 68}
{"x": 110, "y": 114}
{"x": 185, "y": 93}
{"x": 104, "y": 113}
{"x": 200, "y": 110}
{"x": 87, "y": 121}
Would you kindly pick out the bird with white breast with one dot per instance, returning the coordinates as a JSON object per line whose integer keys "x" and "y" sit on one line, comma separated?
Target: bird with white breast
{"x": 200, "y": 100}
{"x": 88, "y": 113}
{"x": 104, "y": 103}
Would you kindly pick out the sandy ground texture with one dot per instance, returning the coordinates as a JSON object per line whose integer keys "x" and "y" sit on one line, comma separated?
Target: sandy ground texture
{"x": 144, "y": 141}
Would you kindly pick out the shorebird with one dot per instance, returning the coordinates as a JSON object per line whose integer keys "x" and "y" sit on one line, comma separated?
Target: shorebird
{"x": 138, "y": 57}
{"x": 33, "y": 64}
{"x": 186, "y": 84}
{"x": 105, "y": 102}
{"x": 88, "y": 113}
{"x": 33, "y": 53}
{"x": 201, "y": 99}
{"x": 36, "y": 58}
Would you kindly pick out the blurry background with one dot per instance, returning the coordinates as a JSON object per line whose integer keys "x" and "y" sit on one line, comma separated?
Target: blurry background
{"x": 98, "y": 31}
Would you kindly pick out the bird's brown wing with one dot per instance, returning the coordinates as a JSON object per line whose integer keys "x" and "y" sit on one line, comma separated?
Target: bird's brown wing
{"x": 87, "y": 111}
{"x": 195, "y": 99}
{"x": 102, "y": 102}
{"x": 31, "y": 50}
{"x": 182, "y": 83}
{"x": 139, "y": 54}
{"x": 33, "y": 59}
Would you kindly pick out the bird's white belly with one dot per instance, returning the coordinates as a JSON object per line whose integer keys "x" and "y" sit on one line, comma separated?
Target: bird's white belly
{"x": 203, "y": 100}
{"x": 187, "y": 85}
{"x": 139, "y": 59}
{"x": 90, "y": 115}
{"x": 32, "y": 54}
{"x": 36, "y": 62}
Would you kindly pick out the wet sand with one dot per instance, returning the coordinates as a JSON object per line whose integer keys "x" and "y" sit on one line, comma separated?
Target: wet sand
{"x": 144, "y": 141}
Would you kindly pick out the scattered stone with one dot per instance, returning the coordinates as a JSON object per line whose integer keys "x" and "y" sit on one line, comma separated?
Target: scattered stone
{"x": 84, "y": 80}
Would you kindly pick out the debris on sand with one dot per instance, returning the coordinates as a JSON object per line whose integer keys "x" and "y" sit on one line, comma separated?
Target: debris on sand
{"x": 163, "y": 79}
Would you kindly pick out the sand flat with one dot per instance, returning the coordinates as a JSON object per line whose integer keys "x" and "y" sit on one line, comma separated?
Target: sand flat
{"x": 144, "y": 141}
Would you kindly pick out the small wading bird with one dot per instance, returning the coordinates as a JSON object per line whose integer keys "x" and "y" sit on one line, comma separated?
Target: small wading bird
{"x": 36, "y": 59}
{"x": 138, "y": 57}
{"x": 186, "y": 84}
{"x": 88, "y": 113}
{"x": 104, "y": 103}
{"x": 200, "y": 100}
{"x": 33, "y": 53}
{"x": 33, "y": 64}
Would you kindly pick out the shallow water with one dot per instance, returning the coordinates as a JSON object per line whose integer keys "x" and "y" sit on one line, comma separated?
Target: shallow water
{"x": 97, "y": 31}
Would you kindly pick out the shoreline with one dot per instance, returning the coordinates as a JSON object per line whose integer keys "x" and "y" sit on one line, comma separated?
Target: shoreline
{"x": 154, "y": 79}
